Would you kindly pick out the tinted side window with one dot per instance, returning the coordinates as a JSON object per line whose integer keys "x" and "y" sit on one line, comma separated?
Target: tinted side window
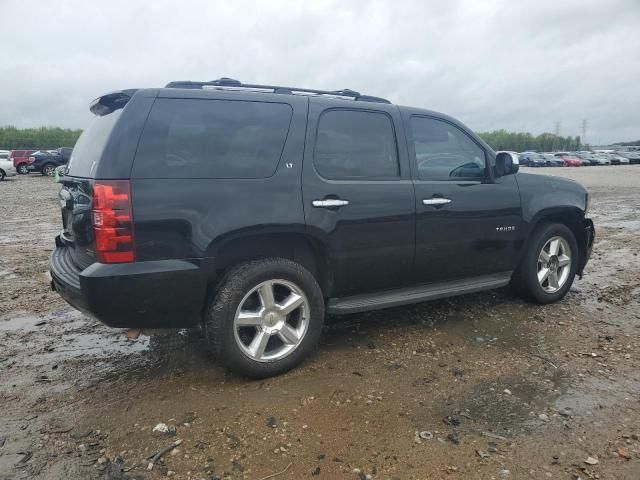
{"x": 352, "y": 144}
{"x": 189, "y": 138}
{"x": 445, "y": 152}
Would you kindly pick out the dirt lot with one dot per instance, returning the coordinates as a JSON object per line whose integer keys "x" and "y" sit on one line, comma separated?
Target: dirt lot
{"x": 500, "y": 389}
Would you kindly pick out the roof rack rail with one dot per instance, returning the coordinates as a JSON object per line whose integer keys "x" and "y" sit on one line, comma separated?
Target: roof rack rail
{"x": 224, "y": 83}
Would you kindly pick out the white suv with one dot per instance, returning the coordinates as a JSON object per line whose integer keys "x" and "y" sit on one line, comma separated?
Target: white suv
{"x": 6, "y": 166}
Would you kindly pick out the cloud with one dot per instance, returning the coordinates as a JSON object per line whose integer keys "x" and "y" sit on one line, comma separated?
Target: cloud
{"x": 492, "y": 64}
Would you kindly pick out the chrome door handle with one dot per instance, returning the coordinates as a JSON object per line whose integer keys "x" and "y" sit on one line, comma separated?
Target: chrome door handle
{"x": 435, "y": 201}
{"x": 330, "y": 203}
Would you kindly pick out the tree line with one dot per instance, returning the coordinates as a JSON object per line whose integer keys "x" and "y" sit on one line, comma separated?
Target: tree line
{"x": 635, "y": 142}
{"x": 12, "y": 138}
{"x": 520, "y": 142}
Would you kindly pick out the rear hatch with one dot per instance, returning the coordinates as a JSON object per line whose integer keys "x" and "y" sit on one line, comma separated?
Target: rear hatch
{"x": 96, "y": 214}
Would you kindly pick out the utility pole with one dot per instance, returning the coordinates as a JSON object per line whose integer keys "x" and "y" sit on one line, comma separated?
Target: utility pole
{"x": 584, "y": 131}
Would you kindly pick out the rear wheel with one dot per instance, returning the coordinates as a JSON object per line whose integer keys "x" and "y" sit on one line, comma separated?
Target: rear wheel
{"x": 265, "y": 317}
{"x": 549, "y": 265}
{"x": 2, "y": 175}
{"x": 48, "y": 169}
{"x": 22, "y": 169}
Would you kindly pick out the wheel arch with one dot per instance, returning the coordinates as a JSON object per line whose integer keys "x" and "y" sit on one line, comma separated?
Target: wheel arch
{"x": 299, "y": 247}
{"x": 573, "y": 218}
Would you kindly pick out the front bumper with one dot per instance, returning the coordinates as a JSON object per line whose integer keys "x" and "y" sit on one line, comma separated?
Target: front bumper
{"x": 586, "y": 244}
{"x": 156, "y": 294}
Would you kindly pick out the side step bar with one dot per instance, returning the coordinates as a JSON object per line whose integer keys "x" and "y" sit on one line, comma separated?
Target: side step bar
{"x": 422, "y": 293}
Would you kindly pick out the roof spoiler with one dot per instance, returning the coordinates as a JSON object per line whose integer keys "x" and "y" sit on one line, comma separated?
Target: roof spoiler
{"x": 110, "y": 102}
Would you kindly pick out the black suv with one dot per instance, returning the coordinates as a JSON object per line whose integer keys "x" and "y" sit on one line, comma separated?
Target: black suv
{"x": 252, "y": 210}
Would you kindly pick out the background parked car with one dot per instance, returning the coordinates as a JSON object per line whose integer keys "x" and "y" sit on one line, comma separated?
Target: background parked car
{"x": 537, "y": 160}
{"x": 6, "y": 167}
{"x": 601, "y": 159}
{"x": 552, "y": 160}
{"x": 634, "y": 157}
{"x": 569, "y": 160}
{"x": 65, "y": 152}
{"x": 586, "y": 157}
{"x": 533, "y": 159}
{"x": 618, "y": 159}
{"x": 524, "y": 158}
{"x": 46, "y": 161}
{"x": 20, "y": 159}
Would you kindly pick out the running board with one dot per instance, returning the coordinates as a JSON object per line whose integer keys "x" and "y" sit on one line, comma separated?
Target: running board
{"x": 422, "y": 293}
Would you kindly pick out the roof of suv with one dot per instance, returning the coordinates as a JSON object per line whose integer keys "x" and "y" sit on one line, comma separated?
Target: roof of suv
{"x": 226, "y": 87}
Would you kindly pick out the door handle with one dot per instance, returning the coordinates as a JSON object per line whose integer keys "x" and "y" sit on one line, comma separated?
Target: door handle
{"x": 330, "y": 203}
{"x": 436, "y": 201}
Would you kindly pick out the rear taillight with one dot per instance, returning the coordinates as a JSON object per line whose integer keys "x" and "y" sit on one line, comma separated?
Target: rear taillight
{"x": 113, "y": 221}
{"x": 31, "y": 159}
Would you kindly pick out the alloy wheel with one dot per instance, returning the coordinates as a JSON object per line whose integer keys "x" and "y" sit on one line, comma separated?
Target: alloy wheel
{"x": 554, "y": 264}
{"x": 271, "y": 320}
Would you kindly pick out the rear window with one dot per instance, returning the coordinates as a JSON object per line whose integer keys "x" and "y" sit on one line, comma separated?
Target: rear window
{"x": 89, "y": 147}
{"x": 195, "y": 138}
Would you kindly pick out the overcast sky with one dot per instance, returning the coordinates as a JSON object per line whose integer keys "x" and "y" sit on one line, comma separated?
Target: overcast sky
{"x": 493, "y": 64}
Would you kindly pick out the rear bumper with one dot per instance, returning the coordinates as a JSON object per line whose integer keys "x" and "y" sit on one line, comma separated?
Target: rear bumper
{"x": 157, "y": 294}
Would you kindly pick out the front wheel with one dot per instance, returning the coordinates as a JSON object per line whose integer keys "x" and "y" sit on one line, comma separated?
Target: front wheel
{"x": 22, "y": 169}
{"x": 549, "y": 265}
{"x": 265, "y": 317}
{"x": 2, "y": 175}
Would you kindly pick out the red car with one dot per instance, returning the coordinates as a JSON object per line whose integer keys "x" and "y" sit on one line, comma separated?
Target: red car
{"x": 571, "y": 161}
{"x": 21, "y": 160}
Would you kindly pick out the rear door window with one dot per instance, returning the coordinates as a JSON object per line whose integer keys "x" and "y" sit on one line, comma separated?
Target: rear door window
{"x": 195, "y": 138}
{"x": 356, "y": 144}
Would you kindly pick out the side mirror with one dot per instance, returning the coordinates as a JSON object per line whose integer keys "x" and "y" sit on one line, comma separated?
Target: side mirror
{"x": 507, "y": 163}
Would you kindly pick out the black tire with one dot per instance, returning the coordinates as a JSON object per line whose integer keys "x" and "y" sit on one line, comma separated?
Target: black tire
{"x": 220, "y": 314}
{"x": 2, "y": 175}
{"x": 48, "y": 169}
{"x": 22, "y": 169}
{"x": 525, "y": 279}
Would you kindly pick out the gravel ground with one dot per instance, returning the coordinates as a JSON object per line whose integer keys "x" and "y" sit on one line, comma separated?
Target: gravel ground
{"x": 500, "y": 389}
